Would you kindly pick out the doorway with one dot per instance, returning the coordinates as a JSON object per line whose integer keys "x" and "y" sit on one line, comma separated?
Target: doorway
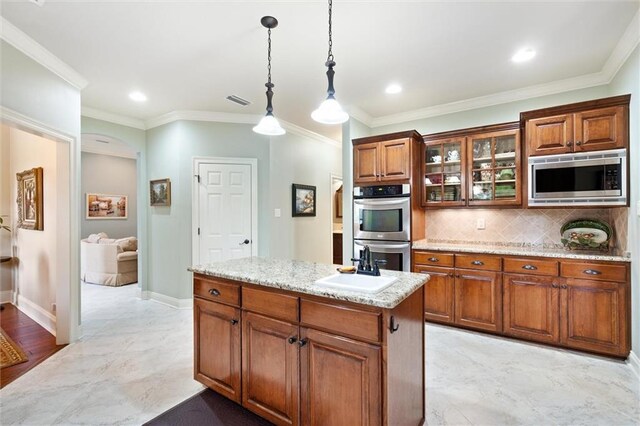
{"x": 336, "y": 219}
{"x": 225, "y": 213}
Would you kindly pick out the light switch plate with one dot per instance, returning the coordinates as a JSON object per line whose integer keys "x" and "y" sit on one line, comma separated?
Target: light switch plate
{"x": 480, "y": 224}
{"x": 277, "y": 213}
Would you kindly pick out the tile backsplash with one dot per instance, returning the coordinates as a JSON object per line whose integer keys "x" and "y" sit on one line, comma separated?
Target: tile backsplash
{"x": 519, "y": 226}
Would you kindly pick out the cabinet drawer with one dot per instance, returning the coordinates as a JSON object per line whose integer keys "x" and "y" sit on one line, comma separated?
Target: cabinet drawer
{"x": 478, "y": 261}
{"x": 530, "y": 266}
{"x": 594, "y": 271}
{"x": 432, "y": 258}
{"x": 218, "y": 290}
{"x": 276, "y": 305}
{"x": 343, "y": 320}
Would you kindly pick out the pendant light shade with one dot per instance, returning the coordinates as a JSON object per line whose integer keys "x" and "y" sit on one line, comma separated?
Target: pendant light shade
{"x": 330, "y": 111}
{"x": 269, "y": 125}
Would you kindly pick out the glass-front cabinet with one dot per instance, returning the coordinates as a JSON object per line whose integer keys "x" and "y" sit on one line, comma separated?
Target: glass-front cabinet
{"x": 444, "y": 182}
{"x": 473, "y": 167}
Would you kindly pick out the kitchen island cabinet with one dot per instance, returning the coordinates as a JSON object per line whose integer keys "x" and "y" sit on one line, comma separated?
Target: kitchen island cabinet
{"x": 310, "y": 355}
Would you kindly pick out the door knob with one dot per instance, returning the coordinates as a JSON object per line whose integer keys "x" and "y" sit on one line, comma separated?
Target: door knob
{"x": 246, "y": 241}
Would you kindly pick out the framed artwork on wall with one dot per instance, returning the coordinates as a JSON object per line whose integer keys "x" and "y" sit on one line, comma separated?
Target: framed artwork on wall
{"x": 303, "y": 200}
{"x": 31, "y": 199}
{"x": 101, "y": 206}
{"x": 160, "y": 192}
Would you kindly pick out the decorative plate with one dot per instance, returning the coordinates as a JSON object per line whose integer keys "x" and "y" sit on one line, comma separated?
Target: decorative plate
{"x": 586, "y": 234}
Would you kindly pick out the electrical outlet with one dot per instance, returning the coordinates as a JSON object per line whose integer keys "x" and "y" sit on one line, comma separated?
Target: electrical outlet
{"x": 277, "y": 213}
{"x": 480, "y": 224}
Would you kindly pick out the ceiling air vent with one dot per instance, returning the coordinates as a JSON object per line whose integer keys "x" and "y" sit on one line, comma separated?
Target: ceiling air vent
{"x": 101, "y": 141}
{"x": 238, "y": 100}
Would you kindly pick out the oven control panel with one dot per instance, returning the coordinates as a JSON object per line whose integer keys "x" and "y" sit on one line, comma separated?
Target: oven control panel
{"x": 380, "y": 191}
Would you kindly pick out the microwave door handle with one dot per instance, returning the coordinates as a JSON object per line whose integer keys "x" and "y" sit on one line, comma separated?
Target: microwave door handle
{"x": 380, "y": 202}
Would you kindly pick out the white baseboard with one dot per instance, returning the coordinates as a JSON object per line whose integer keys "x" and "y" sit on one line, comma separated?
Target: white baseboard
{"x": 168, "y": 300}
{"x": 6, "y": 296}
{"x": 38, "y": 314}
{"x": 634, "y": 362}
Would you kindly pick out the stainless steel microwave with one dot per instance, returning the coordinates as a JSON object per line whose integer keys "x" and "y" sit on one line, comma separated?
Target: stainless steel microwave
{"x": 586, "y": 179}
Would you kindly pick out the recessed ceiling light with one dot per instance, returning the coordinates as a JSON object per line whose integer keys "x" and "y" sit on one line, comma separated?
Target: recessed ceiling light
{"x": 393, "y": 88}
{"x": 137, "y": 96}
{"x": 524, "y": 55}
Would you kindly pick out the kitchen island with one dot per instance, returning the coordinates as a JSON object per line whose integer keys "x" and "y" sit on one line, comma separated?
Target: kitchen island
{"x": 269, "y": 338}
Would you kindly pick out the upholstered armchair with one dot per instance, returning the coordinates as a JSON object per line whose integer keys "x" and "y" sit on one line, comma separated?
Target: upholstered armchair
{"x": 108, "y": 261}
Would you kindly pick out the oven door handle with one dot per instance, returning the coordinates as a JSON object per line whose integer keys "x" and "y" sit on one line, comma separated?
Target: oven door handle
{"x": 381, "y": 202}
{"x": 387, "y": 246}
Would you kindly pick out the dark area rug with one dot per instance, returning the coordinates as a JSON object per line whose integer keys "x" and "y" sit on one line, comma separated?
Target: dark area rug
{"x": 208, "y": 408}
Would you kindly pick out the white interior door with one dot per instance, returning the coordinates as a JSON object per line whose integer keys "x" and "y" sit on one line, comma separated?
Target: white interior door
{"x": 224, "y": 211}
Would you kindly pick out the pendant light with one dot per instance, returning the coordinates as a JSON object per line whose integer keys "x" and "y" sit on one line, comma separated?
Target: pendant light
{"x": 269, "y": 124}
{"x": 330, "y": 111}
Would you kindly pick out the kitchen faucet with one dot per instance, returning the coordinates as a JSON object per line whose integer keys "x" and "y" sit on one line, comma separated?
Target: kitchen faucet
{"x": 364, "y": 263}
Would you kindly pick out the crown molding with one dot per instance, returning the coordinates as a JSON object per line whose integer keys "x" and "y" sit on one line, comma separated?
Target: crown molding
{"x": 301, "y": 131}
{"x": 623, "y": 49}
{"x": 219, "y": 117}
{"x": 93, "y": 149}
{"x": 360, "y": 115}
{"x": 113, "y": 118}
{"x": 25, "y": 44}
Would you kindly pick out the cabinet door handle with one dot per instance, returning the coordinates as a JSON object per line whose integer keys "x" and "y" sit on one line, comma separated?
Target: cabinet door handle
{"x": 434, "y": 259}
{"x": 292, "y": 340}
{"x": 302, "y": 342}
{"x": 451, "y": 274}
{"x": 530, "y": 267}
{"x": 234, "y": 321}
{"x": 592, "y": 272}
{"x": 554, "y": 285}
{"x": 214, "y": 292}
{"x": 578, "y": 143}
{"x": 564, "y": 286}
{"x": 477, "y": 262}
{"x": 457, "y": 275}
{"x": 393, "y": 326}
{"x": 569, "y": 143}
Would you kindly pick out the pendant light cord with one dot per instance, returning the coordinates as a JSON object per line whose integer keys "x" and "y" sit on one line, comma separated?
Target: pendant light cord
{"x": 330, "y": 54}
{"x": 269, "y": 58}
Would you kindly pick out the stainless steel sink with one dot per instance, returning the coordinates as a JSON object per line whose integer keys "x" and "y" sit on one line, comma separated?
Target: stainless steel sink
{"x": 356, "y": 282}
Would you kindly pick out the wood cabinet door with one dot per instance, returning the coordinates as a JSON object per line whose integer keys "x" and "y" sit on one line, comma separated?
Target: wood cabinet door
{"x": 366, "y": 159}
{"x": 217, "y": 347}
{"x": 599, "y": 129}
{"x": 438, "y": 294}
{"x": 594, "y": 316}
{"x": 340, "y": 381}
{"x": 395, "y": 160}
{"x": 531, "y": 307}
{"x": 478, "y": 299}
{"x": 270, "y": 368}
{"x": 550, "y": 135}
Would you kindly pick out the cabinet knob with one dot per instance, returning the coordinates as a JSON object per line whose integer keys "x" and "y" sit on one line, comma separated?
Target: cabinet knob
{"x": 578, "y": 143}
{"x": 451, "y": 274}
{"x": 234, "y": 321}
{"x": 592, "y": 272}
{"x": 530, "y": 267}
{"x": 292, "y": 340}
{"x": 477, "y": 262}
{"x": 554, "y": 285}
{"x": 214, "y": 292}
{"x": 569, "y": 143}
{"x": 434, "y": 259}
{"x": 457, "y": 275}
{"x": 302, "y": 342}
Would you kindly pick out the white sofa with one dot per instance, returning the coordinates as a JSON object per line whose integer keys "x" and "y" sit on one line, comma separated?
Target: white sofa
{"x": 108, "y": 261}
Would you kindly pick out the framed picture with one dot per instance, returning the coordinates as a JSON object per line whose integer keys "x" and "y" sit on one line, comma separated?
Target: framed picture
{"x": 30, "y": 199}
{"x": 101, "y": 206}
{"x": 160, "y": 192}
{"x": 303, "y": 200}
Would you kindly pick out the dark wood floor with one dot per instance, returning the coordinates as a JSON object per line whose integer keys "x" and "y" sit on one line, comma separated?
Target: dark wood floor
{"x": 34, "y": 340}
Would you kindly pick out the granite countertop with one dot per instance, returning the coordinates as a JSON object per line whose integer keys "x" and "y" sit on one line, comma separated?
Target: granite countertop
{"x": 299, "y": 276}
{"x": 611, "y": 256}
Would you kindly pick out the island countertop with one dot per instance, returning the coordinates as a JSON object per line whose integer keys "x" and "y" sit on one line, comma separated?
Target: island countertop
{"x": 300, "y": 276}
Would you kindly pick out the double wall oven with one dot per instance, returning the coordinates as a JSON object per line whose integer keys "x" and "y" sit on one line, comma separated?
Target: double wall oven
{"x": 382, "y": 221}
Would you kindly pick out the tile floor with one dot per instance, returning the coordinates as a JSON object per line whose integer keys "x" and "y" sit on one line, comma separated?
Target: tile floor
{"x": 135, "y": 361}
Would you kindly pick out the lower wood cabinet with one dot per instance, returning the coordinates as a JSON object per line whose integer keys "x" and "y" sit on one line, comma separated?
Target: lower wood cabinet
{"x": 270, "y": 368}
{"x": 217, "y": 344}
{"x": 478, "y": 299}
{"x": 340, "y": 380}
{"x": 581, "y": 305}
{"x": 531, "y": 307}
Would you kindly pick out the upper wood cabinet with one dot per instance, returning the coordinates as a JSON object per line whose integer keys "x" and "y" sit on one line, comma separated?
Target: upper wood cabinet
{"x": 385, "y": 158}
{"x": 586, "y": 126}
{"x": 473, "y": 167}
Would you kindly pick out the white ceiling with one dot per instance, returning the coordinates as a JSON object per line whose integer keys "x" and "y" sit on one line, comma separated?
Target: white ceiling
{"x": 190, "y": 55}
